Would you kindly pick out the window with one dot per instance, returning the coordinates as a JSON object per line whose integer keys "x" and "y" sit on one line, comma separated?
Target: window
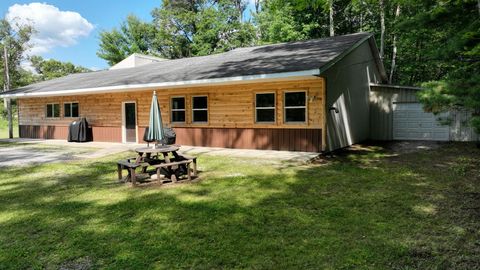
{"x": 200, "y": 109}
{"x": 53, "y": 110}
{"x": 265, "y": 108}
{"x": 70, "y": 109}
{"x": 178, "y": 109}
{"x": 295, "y": 107}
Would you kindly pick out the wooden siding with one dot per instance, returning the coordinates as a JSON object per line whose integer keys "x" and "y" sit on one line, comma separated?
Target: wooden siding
{"x": 230, "y": 107}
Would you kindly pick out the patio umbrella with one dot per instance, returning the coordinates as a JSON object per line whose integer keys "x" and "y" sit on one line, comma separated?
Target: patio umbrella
{"x": 155, "y": 126}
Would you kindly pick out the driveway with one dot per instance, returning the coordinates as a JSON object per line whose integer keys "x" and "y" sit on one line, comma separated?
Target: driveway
{"x": 26, "y": 155}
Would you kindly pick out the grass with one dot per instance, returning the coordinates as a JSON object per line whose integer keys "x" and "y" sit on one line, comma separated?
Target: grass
{"x": 364, "y": 209}
{"x": 4, "y": 129}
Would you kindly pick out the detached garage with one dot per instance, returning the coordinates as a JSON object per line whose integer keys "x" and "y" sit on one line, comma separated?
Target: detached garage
{"x": 411, "y": 122}
{"x": 396, "y": 114}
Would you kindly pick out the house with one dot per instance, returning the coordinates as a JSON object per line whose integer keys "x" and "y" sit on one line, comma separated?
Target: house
{"x": 301, "y": 96}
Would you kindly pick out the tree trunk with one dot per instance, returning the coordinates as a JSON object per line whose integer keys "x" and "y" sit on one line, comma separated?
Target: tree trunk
{"x": 257, "y": 6}
{"x": 6, "y": 88}
{"x": 382, "y": 29}
{"x": 330, "y": 10}
{"x": 5, "y": 76}
{"x": 394, "y": 54}
{"x": 361, "y": 22}
{"x": 10, "y": 118}
{"x": 239, "y": 7}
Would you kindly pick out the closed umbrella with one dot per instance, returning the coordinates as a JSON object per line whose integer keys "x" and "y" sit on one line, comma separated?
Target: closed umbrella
{"x": 155, "y": 126}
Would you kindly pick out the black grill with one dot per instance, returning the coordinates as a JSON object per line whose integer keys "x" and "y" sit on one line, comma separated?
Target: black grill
{"x": 78, "y": 131}
{"x": 170, "y": 136}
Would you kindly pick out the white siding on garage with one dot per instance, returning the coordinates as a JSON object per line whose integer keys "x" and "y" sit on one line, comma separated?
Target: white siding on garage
{"x": 410, "y": 122}
{"x": 383, "y": 98}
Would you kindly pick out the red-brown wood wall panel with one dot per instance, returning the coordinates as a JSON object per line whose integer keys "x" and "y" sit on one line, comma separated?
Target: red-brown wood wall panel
{"x": 308, "y": 140}
{"x": 101, "y": 134}
{"x": 107, "y": 134}
{"x": 43, "y": 132}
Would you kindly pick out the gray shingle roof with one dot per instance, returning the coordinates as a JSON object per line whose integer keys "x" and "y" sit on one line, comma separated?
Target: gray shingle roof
{"x": 267, "y": 59}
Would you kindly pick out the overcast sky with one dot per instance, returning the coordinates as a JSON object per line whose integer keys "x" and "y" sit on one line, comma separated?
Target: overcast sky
{"x": 67, "y": 30}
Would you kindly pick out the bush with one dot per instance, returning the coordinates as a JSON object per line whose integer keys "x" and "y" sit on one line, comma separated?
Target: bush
{"x": 4, "y": 112}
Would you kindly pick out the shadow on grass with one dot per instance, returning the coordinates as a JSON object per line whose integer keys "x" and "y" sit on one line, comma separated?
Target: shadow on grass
{"x": 343, "y": 215}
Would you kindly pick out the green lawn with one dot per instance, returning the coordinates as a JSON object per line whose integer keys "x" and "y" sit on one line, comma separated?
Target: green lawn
{"x": 365, "y": 209}
{"x": 4, "y": 129}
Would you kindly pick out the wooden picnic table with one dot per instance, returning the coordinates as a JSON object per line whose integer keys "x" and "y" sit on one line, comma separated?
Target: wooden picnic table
{"x": 159, "y": 158}
{"x": 145, "y": 153}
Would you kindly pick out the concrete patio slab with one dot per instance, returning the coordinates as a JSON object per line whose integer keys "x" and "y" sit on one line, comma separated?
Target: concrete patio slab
{"x": 101, "y": 149}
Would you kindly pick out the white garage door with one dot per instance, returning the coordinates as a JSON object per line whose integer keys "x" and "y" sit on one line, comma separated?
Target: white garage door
{"x": 410, "y": 122}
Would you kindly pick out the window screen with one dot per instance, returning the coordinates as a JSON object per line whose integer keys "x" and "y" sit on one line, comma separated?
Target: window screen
{"x": 200, "y": 109}
{"x": 265, "y": 107}
{"x": 53, "y": 110}
{"x": 178, "y": 109}
{"x": 295, "y": 107}
{"x": 70, "y": 109}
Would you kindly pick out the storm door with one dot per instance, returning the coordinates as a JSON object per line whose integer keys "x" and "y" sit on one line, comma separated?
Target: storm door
{"x": 129, "y": 122}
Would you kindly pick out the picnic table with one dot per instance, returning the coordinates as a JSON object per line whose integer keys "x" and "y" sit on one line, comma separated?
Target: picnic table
{"x": 145, "y": 153}
{"x": 165, "y": 160}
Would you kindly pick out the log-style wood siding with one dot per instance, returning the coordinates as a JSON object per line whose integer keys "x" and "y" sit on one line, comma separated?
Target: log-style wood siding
{"x": 229, "y": 106}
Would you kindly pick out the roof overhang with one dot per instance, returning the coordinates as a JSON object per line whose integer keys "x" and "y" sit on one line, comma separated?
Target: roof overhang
{"x": 284, "y": 76}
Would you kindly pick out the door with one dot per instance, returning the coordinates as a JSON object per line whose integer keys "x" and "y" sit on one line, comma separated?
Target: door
{"x": 129, "y": 122}
{"x": 411, "y": 122}
{"x": 338, "y": 125}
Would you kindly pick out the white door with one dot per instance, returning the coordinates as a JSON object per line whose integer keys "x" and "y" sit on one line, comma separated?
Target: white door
{"x": 129, "y": 122}
{"x": 411, "y": 122}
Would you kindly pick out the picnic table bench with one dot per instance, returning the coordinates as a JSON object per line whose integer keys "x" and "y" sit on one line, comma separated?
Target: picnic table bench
{"x": 169, "y": 167}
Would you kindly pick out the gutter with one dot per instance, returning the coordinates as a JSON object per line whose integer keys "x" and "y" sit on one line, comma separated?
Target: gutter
{"x": 163, "y": 85}
{"x": 396, "y": 86}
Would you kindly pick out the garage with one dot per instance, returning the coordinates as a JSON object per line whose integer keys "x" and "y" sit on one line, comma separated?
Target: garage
{"x": 411, "y": 122}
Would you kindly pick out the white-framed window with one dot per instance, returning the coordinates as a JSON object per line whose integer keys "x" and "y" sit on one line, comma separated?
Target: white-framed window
{"x": 199, "y": 109}
{"x": 265, "y": 107}
{"x": 178, "y": 109}
{"x": 295, "y": 107}
{"x": 70, "y": 109}
{"x": 52, "y": 110}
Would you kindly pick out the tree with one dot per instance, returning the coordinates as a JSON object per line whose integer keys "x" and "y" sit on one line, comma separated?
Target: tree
{"x": 14, "y": 41}
{"x": 288, "y": 20}
{"x": 330, "y": 18}
{"x": 134, "y": 36}
{"x": 277, "y": 24}
{"x": 394, "y": 48}
{"x": 51, "y": 68}
{"x": 455, "y": 25}
{"x": 202, "y": 27}
{"x": 382, "y": 28}
{"x": 181, "y": 28}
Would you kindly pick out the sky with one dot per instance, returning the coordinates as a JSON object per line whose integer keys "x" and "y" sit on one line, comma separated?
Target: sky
{"x": 68, "y": 30}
